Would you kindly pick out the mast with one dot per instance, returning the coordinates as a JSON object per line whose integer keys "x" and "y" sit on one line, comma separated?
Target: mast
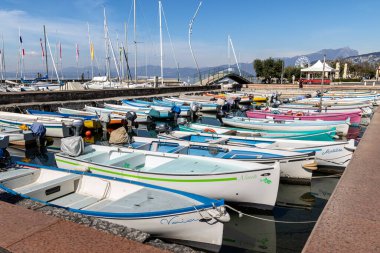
{"x": 2, "y": 62}
{"x": 191, "y": 49}
{"x": 228, "y": 52}
{"x": 161, "y": 46}
{"x": 46, "y": 59}
{"x": 323, "y": 76}
{"x": 91, "y": 51}
{"x": 134, "y": 37}
{"x": 52, "y": 58}
{"x": 108, "y": 72}
{"x": 125, "y": 50}
{"x": 233, "y": 51}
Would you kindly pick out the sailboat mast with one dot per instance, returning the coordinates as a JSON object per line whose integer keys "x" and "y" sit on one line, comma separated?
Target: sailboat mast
{"x": 233, "y": 51}
{"x": 134, "y": 37}
{"x": 161, "y": 47}
{"x": 91, "y": 50}
{"x": 46, "y": 58}
{"x": 108, "y": 72}
{"x": 3, "y": 59}
{"x": 191, "y": 49}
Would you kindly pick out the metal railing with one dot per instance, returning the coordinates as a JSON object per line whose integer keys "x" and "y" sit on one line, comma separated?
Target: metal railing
{"x": 214, "y": 75}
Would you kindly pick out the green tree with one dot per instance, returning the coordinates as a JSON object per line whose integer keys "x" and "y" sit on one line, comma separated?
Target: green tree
{"x": 268, "y": 68}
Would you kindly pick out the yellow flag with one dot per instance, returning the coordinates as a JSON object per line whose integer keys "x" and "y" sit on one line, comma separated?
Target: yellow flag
{"x": 92, "y": 51}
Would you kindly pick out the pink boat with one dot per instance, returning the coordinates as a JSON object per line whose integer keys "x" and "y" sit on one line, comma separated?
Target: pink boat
{"x": 355, "y": 117}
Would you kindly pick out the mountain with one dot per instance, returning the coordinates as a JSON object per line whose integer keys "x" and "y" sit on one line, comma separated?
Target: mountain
{"x": 331, "y": 54}
{"x": 372, "y": 58}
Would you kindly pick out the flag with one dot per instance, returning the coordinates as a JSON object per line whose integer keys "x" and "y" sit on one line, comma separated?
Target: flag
{"x": 23, "y": 52}
{"x": 92, "y": 51}
{"x": 42, "y": 48}
{"x": 20, "y": 39}
{"x": 77, "y": 52}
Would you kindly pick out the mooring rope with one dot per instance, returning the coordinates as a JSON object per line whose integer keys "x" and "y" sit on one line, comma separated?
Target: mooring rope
{"x": 241, "y": 214}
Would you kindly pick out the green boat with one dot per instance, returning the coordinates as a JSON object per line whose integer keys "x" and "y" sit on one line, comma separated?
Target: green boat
{"x": 315, "y": 135}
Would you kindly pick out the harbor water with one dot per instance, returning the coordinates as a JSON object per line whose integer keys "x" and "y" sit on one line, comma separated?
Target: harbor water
{"x": 283, "y": 229}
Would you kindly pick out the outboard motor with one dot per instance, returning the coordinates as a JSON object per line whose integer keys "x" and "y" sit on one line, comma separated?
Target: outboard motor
{"x": 38, "y": 130}
{"x": 181, "y": 121}
{"x": 244, "y": 108}
{"x": 285, "y": 100}
{"x": 219, "y": 114}
{"x": 276, "y": 104}
{"x": 176, "y": 110}
{"x": 78, "y": 126}
{"x": 132, "y": 116}
{"x": 162, "y": 127}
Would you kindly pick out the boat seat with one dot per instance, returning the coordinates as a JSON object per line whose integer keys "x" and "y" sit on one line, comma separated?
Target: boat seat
{"x": 76, "y": 201}
{"x": 218, "y": 141}
{"x": 15, "y": 174}
{"x": 90, "y": 154}
{"x": 51, "y": 189}
{"x": 179, "y": 150}
{"x": 130, "y": 161}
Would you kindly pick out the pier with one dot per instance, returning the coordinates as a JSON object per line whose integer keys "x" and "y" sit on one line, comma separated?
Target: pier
{"x": 350, "y": 222}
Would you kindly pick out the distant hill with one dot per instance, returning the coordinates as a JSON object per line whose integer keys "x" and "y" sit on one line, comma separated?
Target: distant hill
{"x": 373, "y": 58}
{"x": 331, "y": 54}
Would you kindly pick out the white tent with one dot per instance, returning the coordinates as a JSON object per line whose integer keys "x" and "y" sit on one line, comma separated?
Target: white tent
{"x": 318, "y": 67}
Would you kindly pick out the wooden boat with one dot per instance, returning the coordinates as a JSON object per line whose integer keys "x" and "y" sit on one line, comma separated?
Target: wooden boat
{"x": 18, "y": 136}
{"x": 159, "y": 211}
{"x": 354, "y": 117}
{"x": 287, "y": 125}
{"x": 293, "y": 165}
{"x": 317, "y": 135}
{"x": 55, "y": 127}
{"x": 91, "y": 122}
{"x": 327, "y": 153}
{"x": 235, "y": 181}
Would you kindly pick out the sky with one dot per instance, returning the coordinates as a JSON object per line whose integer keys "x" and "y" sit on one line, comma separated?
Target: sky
{"x": 258, "y": 29}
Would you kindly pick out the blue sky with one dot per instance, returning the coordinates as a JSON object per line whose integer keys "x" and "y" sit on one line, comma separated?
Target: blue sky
{"x": 258, "y": 28}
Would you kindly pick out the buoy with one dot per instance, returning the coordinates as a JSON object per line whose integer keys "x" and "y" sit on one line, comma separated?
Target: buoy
{"x": 88, "y": 133}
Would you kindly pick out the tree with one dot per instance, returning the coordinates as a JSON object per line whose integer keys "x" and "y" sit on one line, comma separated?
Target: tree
{"x": 292, "y": 71}
{"x": 268, "y": 68}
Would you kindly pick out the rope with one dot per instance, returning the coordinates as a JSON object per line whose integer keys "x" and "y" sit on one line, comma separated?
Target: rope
{"x": 263, "y": 219}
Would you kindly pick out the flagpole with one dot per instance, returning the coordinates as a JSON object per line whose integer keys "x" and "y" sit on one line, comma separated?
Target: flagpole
{"x": 46, "y": 58}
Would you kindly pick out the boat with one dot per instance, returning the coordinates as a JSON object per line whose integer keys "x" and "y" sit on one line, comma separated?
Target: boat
{"x": 250, "y": 184}
{"x": 116, "y": 116}
{"x": 91, "y": 122}
{"x": 18, "y": 136}
{"x": 287, "y": 125}
{"x": 159, "y": 211}
{"x": 316, "y": 135}
{"x": 206, "y": 106}
{"x": 366, "y": 110}
{"x": 327, "y": 153}
{"x": 55, "y": 127}
{"x": 354, "y": 117}
{"x": 185, "y": 110}
{"x": 294, "y": 166}
{"x": 164, "y": 114}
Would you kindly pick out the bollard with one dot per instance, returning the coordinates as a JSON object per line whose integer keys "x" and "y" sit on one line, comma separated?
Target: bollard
{"x": 365, "y": 83}
{"x": 373, "y": 84}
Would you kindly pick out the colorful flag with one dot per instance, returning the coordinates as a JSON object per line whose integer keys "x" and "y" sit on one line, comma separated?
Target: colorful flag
{"x": 23, "y": 52}
{"x": 92, "y": 51}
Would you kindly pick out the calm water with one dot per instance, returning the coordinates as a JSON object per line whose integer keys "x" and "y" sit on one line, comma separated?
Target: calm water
{"x": 295, "y": 203}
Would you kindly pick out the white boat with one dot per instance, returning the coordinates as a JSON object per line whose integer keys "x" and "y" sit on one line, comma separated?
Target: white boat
{"x": 166, "y": 213}
{"x": 327, "y": 153}
{"x": 235, "y": 181}
{"x": 206, "y": 106}
{"x": 287, "y": 125}
{"x": 18, "y": 136}
{"x": 115, "y": 114}
{"x": 293, "y": 165}
{"x": 55, "y": 127}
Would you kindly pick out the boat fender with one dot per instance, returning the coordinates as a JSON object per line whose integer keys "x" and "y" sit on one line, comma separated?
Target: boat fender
{"x": 298, "y": 114}
{"x": 209, "y": 130}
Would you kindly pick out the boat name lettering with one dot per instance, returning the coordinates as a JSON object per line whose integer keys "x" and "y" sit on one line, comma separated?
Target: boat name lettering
{"x": 330, "y": 151}
{"x": 176, "y": 220}
{"x": 248, "y": 177}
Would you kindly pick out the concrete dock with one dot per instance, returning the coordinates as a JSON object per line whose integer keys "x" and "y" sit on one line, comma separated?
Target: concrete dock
{"x": 23, "y": 230}
{"x": 350, "y": 221}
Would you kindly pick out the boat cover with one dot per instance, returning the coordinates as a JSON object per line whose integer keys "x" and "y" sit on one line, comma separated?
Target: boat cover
{"x": 38, "y": 129}
{"x": 72, "y": 146}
